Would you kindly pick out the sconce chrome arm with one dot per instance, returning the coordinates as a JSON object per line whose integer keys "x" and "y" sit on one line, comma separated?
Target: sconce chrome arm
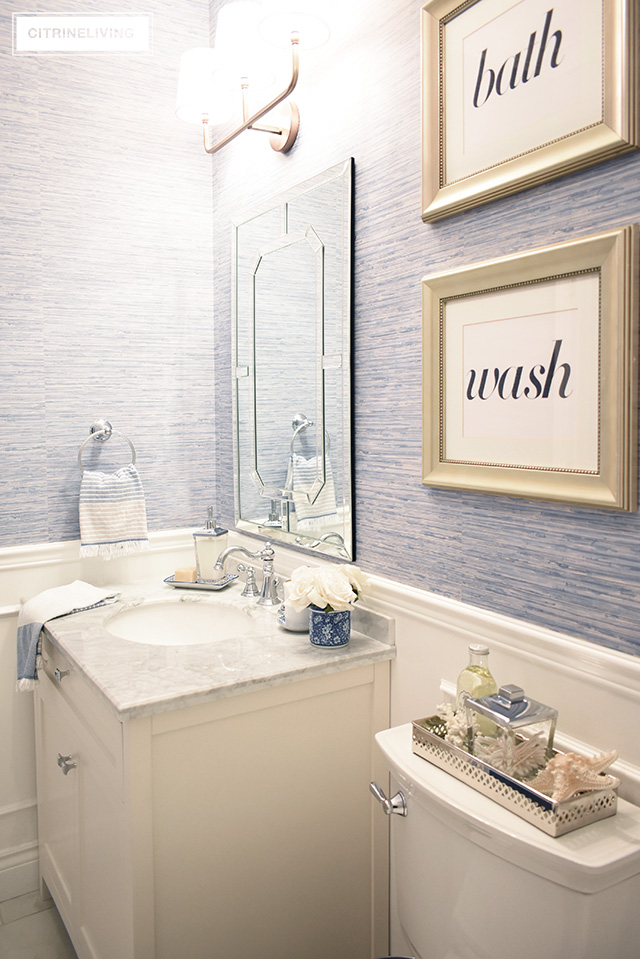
{"x": 282, "y": 137}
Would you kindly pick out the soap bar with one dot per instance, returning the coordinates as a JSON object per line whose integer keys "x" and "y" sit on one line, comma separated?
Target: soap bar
{"x": 187, "y": 574}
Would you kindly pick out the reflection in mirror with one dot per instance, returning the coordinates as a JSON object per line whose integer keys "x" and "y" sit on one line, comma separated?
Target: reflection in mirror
{"x": 292, "y": 452}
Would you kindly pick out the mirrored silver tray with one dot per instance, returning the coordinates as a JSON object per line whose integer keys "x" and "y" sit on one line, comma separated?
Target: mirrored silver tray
{"x": 229, "y": 578}
{"x": 554, "y": 818}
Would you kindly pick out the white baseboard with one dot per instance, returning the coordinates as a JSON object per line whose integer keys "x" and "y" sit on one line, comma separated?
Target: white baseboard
{"x": 19, "y": 871}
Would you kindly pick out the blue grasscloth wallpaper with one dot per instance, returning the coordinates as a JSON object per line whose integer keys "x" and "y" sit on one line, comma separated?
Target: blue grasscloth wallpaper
{"x": 106, "y": 278}
{"x": 116, "y": 301}
{"x": 571, "y": 569}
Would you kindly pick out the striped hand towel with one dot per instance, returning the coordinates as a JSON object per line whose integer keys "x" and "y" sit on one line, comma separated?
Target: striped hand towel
{"x": 52, "y": 603}
{"x": 113, "y": 517}
{"x": 304, "y": 474}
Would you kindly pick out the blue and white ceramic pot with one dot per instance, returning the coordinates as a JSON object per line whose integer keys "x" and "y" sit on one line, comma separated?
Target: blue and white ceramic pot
{"x": 329, "y": 628}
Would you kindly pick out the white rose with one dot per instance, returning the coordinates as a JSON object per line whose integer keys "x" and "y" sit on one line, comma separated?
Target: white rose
{"x": 360, "y": 582}
{"x": 301, "y": 584}
{"x": 320, "y": 586}
{"x": 332, "y": 588}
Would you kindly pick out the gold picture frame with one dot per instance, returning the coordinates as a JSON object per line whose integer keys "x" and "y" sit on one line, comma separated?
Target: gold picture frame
{"x": 512, "y": 96}
{"x": 530, "y": 373}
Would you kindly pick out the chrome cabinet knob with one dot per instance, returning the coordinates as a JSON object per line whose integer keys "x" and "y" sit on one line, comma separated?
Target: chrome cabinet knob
{"x": 59, "y": 674}
{"x": 66, "y": 763}
{"x": 397, "y": 804}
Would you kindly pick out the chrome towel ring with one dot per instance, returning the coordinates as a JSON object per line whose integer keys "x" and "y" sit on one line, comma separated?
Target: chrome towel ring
{"x": 101, "y": 430}
{"x": 300, "y": 423}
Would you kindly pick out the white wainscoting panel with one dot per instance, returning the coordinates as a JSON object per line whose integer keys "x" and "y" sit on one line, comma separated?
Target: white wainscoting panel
{"x": 596, "y": 690}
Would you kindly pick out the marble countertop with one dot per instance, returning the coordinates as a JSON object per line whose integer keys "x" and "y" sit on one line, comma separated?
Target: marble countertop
{"x": 136, "y": 679}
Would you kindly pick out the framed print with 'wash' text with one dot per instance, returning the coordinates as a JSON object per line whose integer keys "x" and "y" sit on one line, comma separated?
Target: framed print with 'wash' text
{"x": 515, "y": 92}
{"x": 530, "y": 373}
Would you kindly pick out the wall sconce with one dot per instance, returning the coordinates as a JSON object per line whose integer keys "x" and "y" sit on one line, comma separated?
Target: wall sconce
{"x": 211, "y": 78}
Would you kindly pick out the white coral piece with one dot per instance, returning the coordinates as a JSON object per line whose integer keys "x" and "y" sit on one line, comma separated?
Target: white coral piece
{"x": 517, "y": 758}
{"x": 456, "y": 722}
{"x": 445, "y": 711}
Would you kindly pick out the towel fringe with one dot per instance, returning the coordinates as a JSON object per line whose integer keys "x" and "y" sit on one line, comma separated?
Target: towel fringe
{"x": 112, "y": 550}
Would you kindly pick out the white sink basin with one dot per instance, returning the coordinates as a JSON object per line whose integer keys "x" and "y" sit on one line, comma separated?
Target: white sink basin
{"x": 171, "y": 623}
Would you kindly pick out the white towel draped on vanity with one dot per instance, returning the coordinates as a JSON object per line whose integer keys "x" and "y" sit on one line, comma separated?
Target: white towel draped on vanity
{"x": 52, "y": 603}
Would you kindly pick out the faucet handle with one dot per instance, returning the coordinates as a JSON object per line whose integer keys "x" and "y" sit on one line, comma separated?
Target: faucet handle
{"x": 269, "y": 595}
{"x": 250, "y": 587}
{"x": 268, "y": 553}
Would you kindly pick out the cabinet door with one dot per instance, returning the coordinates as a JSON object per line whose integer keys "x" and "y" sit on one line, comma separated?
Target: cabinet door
{"x": 274, "y": 858}
{"x": 57, "y": 801}
{"x": 83, "y": 831}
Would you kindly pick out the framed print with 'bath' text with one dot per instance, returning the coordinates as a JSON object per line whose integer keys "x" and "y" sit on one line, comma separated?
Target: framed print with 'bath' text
{"x": 515, "y": 92}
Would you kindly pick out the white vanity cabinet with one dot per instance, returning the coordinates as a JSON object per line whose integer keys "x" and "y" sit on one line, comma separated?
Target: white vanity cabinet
{"x": 83, "y": 823}
{"x": 240, "y": 827}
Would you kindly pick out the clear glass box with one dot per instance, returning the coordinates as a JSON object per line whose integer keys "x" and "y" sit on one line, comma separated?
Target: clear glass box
{"x": 511, "y": 732}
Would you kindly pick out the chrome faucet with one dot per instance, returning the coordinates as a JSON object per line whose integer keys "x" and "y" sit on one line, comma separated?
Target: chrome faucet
{"x": 269, "y": 594}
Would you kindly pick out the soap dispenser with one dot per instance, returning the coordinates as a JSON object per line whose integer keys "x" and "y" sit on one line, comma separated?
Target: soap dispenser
{"x": 209, "y": 543}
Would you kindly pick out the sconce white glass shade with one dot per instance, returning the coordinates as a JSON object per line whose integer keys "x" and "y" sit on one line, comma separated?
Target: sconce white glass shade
{"x": 203, "y": 89}
{"x": 280, "y": 18}
{"x": 239, "y": 49}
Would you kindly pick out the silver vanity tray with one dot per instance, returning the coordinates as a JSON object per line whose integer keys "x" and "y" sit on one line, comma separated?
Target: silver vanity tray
{"x": 229, "y": 578}
{"x": 554, "y": 818}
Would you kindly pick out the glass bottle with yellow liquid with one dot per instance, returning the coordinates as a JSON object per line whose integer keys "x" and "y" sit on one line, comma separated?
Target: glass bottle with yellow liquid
{"x": 476, "y": 680}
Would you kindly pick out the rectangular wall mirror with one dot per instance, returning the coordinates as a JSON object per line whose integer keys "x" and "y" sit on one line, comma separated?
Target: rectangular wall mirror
{"x": 292, "y": 366}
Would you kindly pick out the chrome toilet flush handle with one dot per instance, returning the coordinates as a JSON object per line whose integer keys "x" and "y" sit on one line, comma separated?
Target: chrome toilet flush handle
{"x": 397, "y": 804}
{"x": 59, "y": 674}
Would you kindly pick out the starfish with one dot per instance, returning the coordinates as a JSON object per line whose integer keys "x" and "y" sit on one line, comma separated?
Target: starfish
{"x": 568, "y": 774}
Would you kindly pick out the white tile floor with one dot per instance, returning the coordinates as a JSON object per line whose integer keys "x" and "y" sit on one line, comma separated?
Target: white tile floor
{"x": 31, "y": 928}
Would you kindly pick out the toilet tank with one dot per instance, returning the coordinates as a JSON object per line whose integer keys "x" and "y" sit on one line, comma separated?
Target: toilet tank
{"x": 471, "y": 880}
